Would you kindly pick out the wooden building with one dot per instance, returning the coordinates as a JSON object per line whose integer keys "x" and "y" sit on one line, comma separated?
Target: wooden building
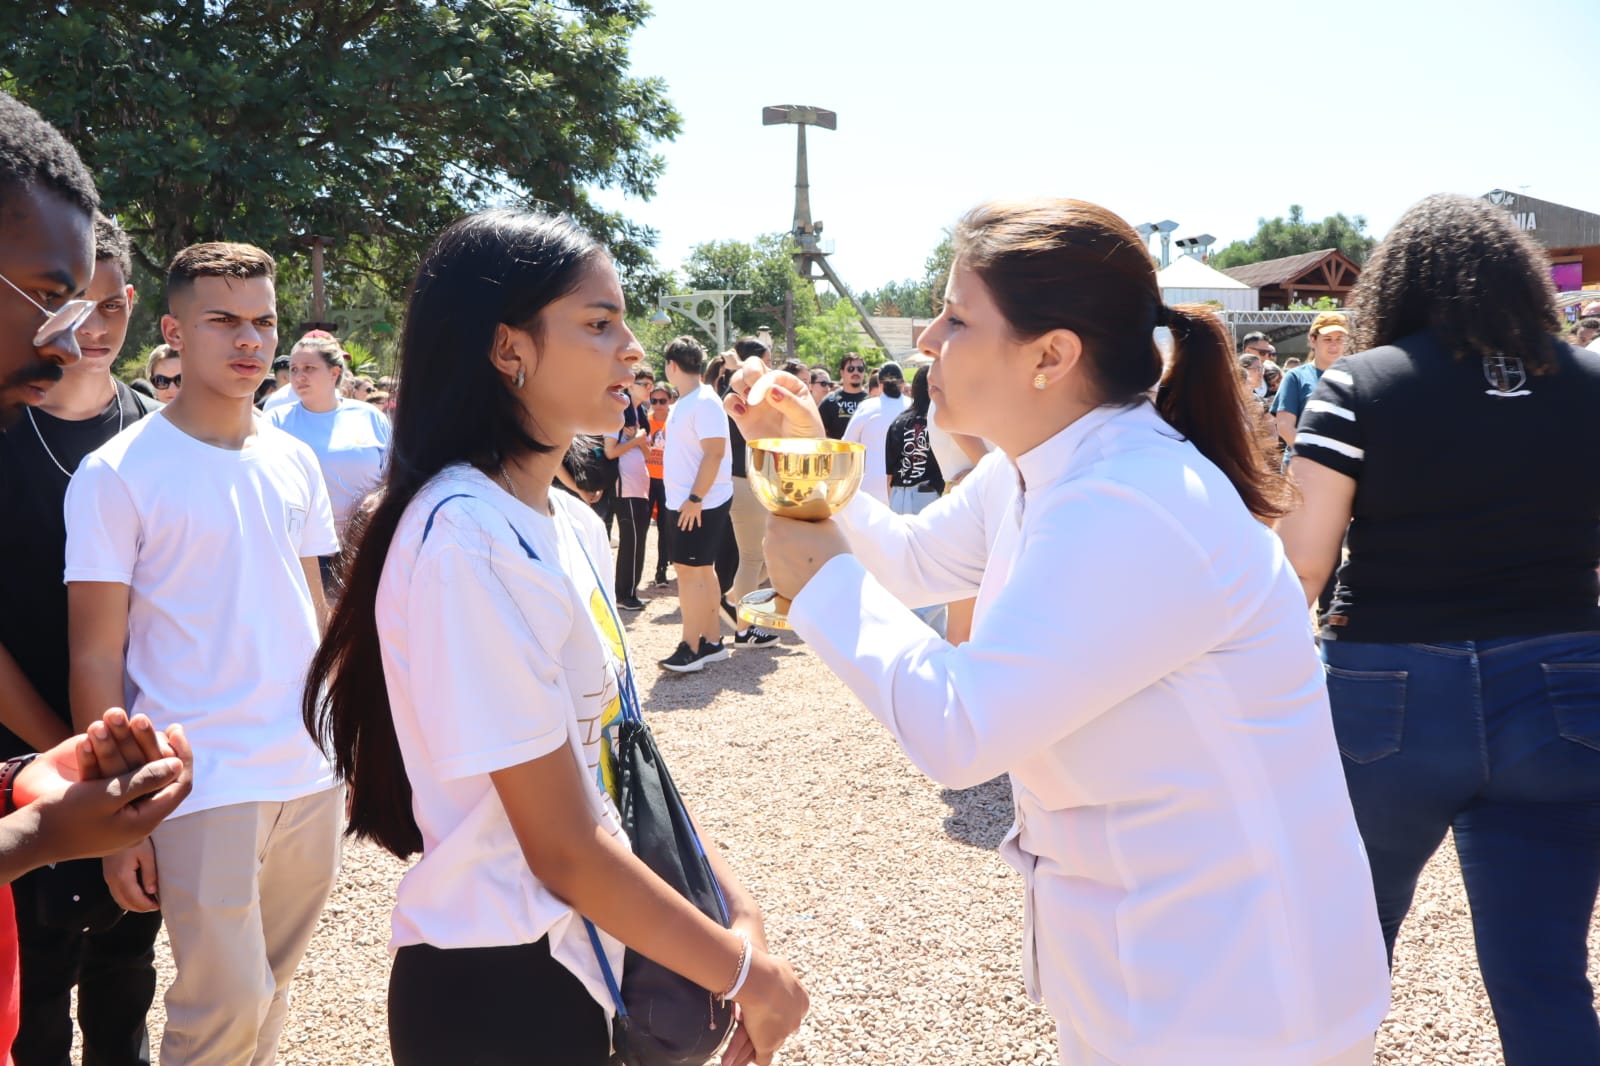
{"x": 1303, "y": 278}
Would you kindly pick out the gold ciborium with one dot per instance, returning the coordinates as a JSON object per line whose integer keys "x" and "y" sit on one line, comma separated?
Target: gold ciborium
{"x": 798, "y": 477}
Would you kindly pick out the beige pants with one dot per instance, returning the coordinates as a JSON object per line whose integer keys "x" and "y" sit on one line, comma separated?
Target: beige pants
{"x": 1074, "y": 1052}
{"x": 749, "y": 520}
{"x": 242, "y": 888}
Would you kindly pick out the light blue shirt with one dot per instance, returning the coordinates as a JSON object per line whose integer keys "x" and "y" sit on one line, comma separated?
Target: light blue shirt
{"x": 351, "y": 443}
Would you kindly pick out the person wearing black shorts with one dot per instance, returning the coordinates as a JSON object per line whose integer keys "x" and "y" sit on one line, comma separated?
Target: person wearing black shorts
{"x": 698, "y": 471}
{"x": 702, "y": 544}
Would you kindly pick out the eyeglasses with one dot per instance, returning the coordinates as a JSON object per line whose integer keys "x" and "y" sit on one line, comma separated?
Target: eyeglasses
{"x": 862, "y": 369}
{"x": 657, "y": 403}
{"x": 161, "y": 381}
{"x": 62, "y": 322}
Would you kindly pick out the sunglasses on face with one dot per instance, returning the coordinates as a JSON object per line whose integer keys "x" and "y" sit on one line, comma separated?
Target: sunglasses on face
{"x": 161, "y": 381}
{"x": 61, "y": 322}
{"x": 855, "y": 370}
{"x": 657, "y": 403}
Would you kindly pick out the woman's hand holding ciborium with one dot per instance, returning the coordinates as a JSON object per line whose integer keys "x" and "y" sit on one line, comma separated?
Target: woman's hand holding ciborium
{"x": 799, "y": 475}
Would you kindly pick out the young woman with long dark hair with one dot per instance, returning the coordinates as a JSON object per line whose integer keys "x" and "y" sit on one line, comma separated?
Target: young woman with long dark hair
{"x": 473, "y": 670}
{"x": 1457, "y": 447}
{"x": 1140, "y": 661}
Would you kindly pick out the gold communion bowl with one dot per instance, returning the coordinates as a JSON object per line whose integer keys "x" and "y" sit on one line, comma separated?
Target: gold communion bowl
{"x": 798, "y": 477}
{"x": 804, "y": 478}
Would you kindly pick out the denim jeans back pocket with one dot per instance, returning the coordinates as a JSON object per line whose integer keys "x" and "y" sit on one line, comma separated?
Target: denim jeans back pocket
{"x": 1574, "y": 691}
{"x": 1369, "y": 711}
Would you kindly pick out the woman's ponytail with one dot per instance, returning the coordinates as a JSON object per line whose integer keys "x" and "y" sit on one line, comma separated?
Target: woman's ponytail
{"x": 1201, "y": 396}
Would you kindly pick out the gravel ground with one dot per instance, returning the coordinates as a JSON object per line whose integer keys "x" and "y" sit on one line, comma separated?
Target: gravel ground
{"x": 882, "y": 889}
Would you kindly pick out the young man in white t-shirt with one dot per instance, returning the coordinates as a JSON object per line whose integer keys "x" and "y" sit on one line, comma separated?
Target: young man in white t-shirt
{"x": 698, "y": 471}
{"x": 194, "y": 595}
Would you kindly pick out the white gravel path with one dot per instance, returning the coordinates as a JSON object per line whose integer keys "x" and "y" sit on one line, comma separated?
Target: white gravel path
{"x": 884, "y": 890}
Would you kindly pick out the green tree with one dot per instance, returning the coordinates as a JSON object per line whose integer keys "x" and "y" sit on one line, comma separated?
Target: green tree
{"x": 936, "y": 270}
{"x": 1279, "y": 237}
{"x": 765, "y": 266}
{"x": 374, "y": 121}
{"x": 832, "y": 334}
{"x": 909, "y": 298}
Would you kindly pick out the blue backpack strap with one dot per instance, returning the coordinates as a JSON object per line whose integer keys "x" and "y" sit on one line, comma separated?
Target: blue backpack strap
{"x": 605, "y": 967}
{"x": 630, "y": 693}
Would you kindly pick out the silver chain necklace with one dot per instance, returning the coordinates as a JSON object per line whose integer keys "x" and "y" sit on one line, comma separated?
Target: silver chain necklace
{"x": 35, "y": 423}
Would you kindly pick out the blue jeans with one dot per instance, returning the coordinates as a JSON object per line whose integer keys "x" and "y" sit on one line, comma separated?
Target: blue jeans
{"x": 1498, "y": 740}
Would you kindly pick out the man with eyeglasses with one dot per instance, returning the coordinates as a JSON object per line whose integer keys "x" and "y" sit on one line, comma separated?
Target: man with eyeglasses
{"x": 47, "y": 258}
{"x": 843, "y": 401}
{"x": 69, "y": 929}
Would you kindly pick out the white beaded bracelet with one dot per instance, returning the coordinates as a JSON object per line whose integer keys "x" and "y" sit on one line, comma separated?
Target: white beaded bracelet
{"x": 745, "y": 955}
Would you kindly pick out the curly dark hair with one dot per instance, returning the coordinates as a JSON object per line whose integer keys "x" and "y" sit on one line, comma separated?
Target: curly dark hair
{"x": 1460, "y": 268}
{"x": 33, "y": 152}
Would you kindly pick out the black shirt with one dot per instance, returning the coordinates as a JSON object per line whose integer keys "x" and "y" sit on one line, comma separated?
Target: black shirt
{"x": 738, "y": 453}
{"x": 910, "y": 462}
{"x": 34, "y": 457}
{"x": 1477, "y": 504}
{"x": 836, "y": 409}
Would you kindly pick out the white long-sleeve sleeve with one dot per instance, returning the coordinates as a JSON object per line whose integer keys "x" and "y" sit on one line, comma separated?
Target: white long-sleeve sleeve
{"x": 1087, "y": 617}
{"x": 938, "y": 555}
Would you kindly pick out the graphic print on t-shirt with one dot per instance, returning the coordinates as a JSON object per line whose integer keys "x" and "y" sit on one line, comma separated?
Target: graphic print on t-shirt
{"x": 601, "y": 726}
{"x": 914, "y": 454}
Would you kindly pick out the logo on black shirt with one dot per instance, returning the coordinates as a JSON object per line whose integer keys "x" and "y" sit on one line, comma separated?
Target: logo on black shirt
{"x": 1506, "y": 374}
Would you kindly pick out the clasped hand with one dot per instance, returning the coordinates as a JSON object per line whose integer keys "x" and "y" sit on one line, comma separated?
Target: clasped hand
{"x": 772, "y": 403}
{"x": 105, "y": 790}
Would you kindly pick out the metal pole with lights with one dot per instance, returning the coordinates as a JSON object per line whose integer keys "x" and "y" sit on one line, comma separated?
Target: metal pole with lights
{"x": 1199, "y": 247}
{"x": 1144, "y": 229}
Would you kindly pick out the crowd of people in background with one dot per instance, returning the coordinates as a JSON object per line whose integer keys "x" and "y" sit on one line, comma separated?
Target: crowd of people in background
{"x": 1086, "y": 522}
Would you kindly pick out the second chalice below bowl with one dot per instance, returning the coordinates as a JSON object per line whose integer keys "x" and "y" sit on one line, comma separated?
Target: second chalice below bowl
{"x": 798, "y": 477}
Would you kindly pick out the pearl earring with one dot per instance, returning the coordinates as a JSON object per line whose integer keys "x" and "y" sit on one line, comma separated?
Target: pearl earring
{"x": 522, "y": 377}
{"x": 1040, "y": 381}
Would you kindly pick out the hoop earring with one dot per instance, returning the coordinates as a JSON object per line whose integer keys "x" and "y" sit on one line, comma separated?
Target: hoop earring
{"x": 1040, "y": 381}
{"x": 522, "y": 377}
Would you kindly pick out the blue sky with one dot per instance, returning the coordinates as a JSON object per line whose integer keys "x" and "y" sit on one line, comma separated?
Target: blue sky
{"x": 1212, "y": 114}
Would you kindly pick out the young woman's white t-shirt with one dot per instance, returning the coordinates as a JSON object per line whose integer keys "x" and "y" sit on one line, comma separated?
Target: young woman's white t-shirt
{"x": 499, "y": 646}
